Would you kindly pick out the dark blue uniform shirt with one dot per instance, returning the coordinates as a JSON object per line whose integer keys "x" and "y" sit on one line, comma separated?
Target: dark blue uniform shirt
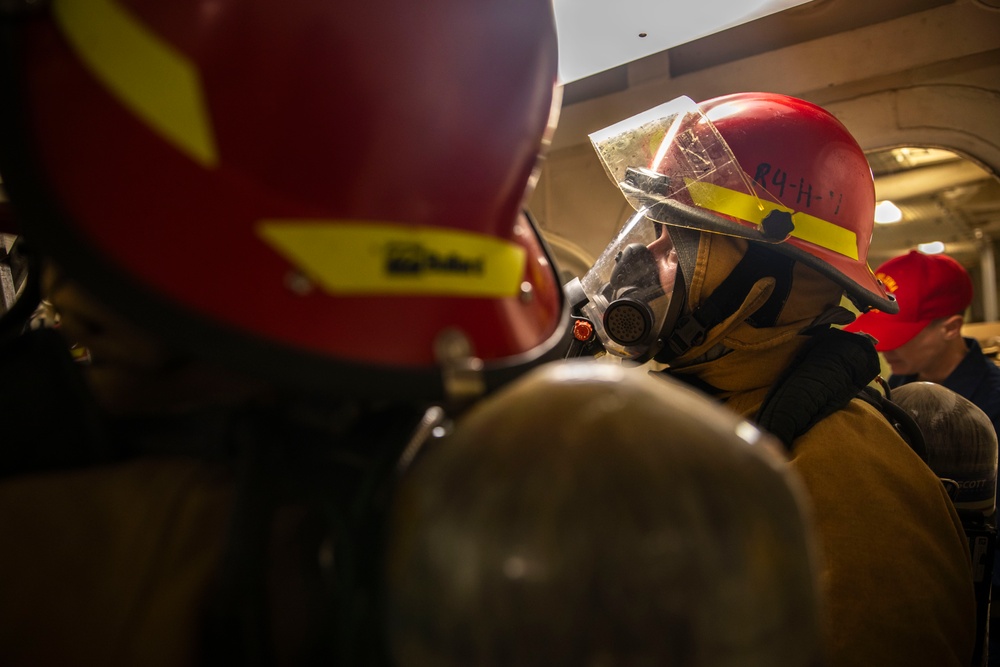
{"x": 976, "y": 378}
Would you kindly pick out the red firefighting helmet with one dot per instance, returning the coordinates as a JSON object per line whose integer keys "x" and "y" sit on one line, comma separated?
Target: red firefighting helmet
{"x": 743, "y": 156}
{"x": 297, "y": 186}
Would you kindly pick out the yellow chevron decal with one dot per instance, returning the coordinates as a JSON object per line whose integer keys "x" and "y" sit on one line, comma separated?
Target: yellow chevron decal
{"x": 147, "y": 75}
{"x": 354, "y": 258}
{"x": 746, "y": 207}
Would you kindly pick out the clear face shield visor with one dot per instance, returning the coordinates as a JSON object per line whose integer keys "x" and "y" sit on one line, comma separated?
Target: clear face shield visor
{"x": 675, "y": 170}
{"x": 631, "y": 287}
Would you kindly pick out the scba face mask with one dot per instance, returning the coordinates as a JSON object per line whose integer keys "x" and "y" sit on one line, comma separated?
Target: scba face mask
{"x": 634, "y": 291}
{"x": 665, "y": 161}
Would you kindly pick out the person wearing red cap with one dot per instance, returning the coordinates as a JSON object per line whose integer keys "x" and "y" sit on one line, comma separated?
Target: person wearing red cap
{"x": 923, "y": 341}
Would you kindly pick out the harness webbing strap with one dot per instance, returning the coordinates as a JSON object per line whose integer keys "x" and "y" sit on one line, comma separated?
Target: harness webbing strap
{"x": 758, "y": 262}
{"x": 830, "y": 370}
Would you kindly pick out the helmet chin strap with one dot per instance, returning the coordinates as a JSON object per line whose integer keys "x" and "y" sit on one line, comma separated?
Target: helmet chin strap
{"x": 733, "y": 297}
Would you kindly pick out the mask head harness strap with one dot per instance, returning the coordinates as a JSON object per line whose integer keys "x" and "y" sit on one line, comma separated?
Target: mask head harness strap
{"x": 759, "y": 261}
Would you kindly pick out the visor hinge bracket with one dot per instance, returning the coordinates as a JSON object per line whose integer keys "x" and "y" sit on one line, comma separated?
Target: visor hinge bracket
{"x": 777, "y": 226}
{"x": 461, "y": 371}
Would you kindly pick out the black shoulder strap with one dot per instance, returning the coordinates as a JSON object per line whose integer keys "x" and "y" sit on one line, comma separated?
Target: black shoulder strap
{"x": 342, "y": 482}
{"x": 829, "y": 371}
{"x": 900, "y": 419}
{"x": 834, "y": 367}
{"x": 758, "y": 262}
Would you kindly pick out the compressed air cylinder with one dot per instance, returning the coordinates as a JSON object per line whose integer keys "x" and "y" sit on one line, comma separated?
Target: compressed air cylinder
{"x": 961, "y": 443}
{"x": 962, "y": 449}
{"x": 590, "y": 514}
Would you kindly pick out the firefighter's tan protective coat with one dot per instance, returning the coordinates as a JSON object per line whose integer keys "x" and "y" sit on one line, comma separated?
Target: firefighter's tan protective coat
{"x": 111, "y": 565}
{"x": 897, "y": 573}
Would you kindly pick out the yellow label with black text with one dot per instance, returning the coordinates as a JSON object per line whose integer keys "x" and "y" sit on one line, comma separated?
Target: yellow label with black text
{"x": 351, "y": 257}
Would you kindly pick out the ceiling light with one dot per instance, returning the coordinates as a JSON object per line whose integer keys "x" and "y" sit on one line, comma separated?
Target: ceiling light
{"x": 932, "y": 248}
{"x": 886, "y": 212}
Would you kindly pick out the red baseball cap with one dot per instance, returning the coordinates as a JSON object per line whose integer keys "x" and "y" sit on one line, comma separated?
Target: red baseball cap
{"x": 927, "y": 287}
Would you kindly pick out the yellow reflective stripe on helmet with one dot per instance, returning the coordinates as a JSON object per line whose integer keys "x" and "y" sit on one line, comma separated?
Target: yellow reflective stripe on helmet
{"x": 150, "y": 77}
{"x": 387, "y": 259}
{"x": 746, "y": 207}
